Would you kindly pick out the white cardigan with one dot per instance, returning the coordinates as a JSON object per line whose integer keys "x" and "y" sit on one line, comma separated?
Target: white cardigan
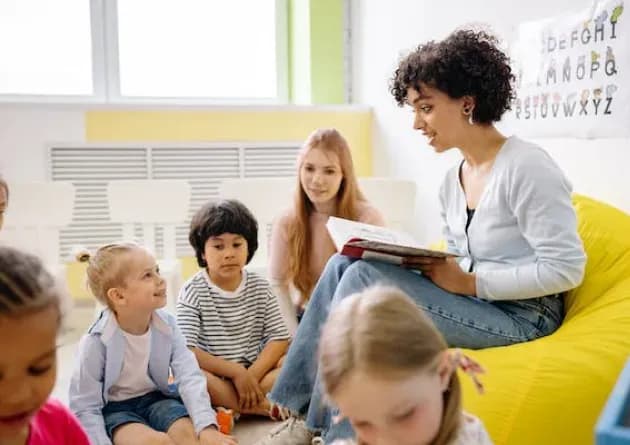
{"x": 522, "y": 240}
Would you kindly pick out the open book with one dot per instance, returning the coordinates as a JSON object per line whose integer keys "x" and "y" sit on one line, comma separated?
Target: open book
{"x": 360, "y": 240}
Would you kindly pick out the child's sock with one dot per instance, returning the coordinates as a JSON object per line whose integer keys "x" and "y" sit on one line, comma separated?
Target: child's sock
{"x": 277, "y": 412}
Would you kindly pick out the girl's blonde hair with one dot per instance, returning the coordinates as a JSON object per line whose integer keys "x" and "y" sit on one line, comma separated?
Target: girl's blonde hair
{"x": 106, "y": 268}
{"x": 5, "y": 186}
{"x": 381, "y": 330}
{"x": 349, "y": 197}
{"x": 25, "y": 285}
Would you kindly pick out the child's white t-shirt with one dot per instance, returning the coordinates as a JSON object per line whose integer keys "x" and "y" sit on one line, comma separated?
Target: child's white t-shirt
{"x": 472, "y": 432}
{"x": 134, "y": 378}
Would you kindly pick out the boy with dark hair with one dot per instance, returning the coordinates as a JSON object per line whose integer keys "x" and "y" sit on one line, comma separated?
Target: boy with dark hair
{"x": 229, "y": 316}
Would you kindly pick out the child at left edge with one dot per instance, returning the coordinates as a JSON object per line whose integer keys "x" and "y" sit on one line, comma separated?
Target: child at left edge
{"x": 30, "y": 322}
{"x": 119, "y": 389}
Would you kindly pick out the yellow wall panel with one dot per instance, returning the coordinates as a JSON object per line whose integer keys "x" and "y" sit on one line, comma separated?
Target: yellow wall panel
{"x": 250, "y": 125}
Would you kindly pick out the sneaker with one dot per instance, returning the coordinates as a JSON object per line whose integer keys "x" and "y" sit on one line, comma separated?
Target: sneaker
{"x": 225, "y": 420}
{"x": 290, "y": 432}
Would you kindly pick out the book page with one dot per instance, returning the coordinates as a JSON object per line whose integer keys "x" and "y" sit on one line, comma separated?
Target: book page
{"x": 375, "y": 241}
{"x": 342, "y": 230}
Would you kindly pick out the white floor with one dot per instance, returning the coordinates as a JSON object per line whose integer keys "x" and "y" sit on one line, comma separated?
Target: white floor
{"x": 248, "y": 431}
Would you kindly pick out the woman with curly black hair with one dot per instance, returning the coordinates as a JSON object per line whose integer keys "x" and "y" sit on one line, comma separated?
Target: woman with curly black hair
{"x": 507, "y": 214}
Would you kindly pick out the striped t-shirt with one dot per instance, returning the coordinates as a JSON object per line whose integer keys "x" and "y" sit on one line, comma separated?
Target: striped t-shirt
{"x": 235, "y": 326}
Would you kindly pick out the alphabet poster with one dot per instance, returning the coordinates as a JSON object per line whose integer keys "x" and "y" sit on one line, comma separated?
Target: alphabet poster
{"x": 573, "y": 74}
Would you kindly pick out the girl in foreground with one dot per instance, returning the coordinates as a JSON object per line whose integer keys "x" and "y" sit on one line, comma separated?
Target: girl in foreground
{"x": 388, "y": 370}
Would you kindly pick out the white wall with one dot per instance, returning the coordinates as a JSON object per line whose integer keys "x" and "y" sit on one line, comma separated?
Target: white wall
{"x": 25, "y": 132}
{"x": 385, "y": 30}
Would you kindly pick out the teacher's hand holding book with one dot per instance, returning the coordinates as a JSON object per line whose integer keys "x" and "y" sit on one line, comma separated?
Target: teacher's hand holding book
{"x": 445, "y": 273}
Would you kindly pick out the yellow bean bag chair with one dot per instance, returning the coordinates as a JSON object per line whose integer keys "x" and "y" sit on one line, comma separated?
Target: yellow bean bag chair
{"x": 552, "y": 390}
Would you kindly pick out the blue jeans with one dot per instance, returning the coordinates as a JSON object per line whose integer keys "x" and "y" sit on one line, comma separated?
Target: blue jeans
{"x": 154, "y": 410}
{"x": 466, "y": 322}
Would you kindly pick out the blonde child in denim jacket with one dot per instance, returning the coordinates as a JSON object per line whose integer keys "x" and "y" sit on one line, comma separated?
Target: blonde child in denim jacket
{"x": 120, "y": 390}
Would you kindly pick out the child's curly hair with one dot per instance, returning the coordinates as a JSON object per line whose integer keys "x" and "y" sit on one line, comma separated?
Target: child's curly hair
{"x": 216, "y": 218}
{"x": 466, "y": 63}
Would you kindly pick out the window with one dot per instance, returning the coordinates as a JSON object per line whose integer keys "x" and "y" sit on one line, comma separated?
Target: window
{"x": 197, "y": 48}
{"x": 45, "y": 48}
{"x": 120, "y": 51}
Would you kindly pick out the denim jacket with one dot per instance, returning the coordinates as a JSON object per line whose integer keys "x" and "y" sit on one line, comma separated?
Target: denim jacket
{"x": 100, "y": 361}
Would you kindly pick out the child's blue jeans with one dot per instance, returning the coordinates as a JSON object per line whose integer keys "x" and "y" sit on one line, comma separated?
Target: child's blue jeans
{"x": 154, "y": 409}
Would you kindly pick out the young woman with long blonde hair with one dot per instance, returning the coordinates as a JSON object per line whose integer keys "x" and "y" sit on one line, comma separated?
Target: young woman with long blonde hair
{"x": 326, "y": 186}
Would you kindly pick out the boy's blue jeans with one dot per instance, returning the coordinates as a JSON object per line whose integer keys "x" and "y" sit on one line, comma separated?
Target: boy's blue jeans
{"x": 154, "y": 410}
{"x": 465, "y": 322}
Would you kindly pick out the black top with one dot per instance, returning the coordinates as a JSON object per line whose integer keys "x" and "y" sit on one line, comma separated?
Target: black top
{"x": 470, "y": 213}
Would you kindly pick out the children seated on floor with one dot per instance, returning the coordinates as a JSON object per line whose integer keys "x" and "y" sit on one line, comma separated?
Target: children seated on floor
{"x": 119, "y": 389}
{"x": 230, "y": 317}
